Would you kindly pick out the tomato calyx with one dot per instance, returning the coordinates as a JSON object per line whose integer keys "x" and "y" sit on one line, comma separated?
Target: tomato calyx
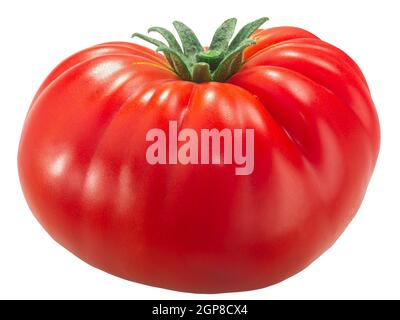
{"x": 192, "y": 62}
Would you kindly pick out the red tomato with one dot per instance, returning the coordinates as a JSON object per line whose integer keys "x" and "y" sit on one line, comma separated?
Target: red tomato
{"x": 200, "y": 228}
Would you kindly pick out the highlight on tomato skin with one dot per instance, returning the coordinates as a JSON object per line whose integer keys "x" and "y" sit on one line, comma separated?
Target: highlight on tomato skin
{"x": 204, "y": 169}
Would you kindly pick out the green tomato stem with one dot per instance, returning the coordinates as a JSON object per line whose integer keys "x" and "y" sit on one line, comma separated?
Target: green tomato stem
{"x": 192, "y": 62}
{"x": 201, "y": 72}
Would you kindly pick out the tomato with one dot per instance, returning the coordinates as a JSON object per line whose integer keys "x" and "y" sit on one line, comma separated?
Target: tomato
{"x": 201, "y": 228}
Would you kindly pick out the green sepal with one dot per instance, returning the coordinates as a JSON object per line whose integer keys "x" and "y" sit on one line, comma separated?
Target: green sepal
{"x": 191, "y": 45}
{"x": 246, "y": 32}
{"x": 223, "y": 35}
{"x": 178, "y": 62}
{"x": 156, "y": 42}
{"x": 168, "y": 36}
{"x": 232, "y": 62}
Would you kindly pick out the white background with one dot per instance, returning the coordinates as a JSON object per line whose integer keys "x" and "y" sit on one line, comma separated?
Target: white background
{"x": 37, "y": 35}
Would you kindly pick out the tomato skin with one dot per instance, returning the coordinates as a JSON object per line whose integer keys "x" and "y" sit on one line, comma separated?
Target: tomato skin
{"x": 200, "y": 228}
